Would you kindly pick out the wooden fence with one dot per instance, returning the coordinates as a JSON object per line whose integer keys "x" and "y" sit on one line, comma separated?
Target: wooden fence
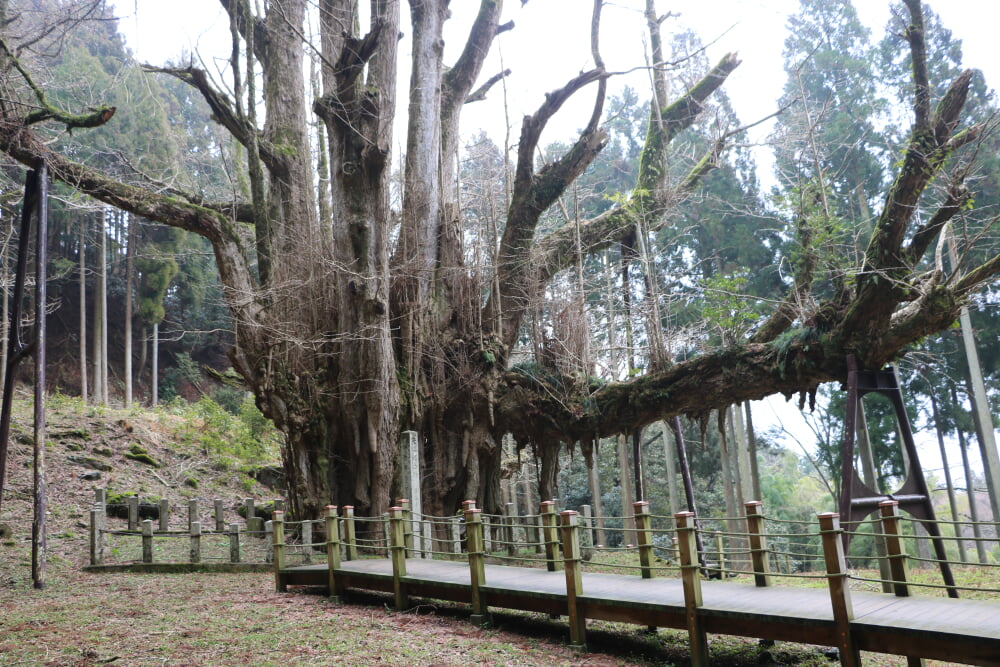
{"x": 187, "y": 533}
{"x": 197, "y": 531}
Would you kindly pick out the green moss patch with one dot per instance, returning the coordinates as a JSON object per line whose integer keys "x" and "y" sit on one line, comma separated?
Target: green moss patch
{"x": 137, "y": 453}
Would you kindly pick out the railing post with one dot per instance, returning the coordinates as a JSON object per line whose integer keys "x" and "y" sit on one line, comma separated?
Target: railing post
{"x": 307, "y": 538}
{"x": 251, "y": 515}
{"x": 192, "y": 512}
{"x": 234, "y": 543}
{"x": 196, "y": 542}
{"x": 550, "y": 534}
{"x": 147, "y": 541}
{"x": 101, "y": 496}
{"x": 456, "y": 535}
{"x": 397, "y": 552}
{"x": 97, "y": 523}
{"x": 758, "y": 543}
{"x": 488, "y": 534}
{"x": 94, "y": 532}
{"x": 643, "y": 538}
{"x": 574, "y": 579}
{"x": 278, "y": 531}
{"x": 132, "y": 503}
{"x": 586, "y": 532}
{"x": 423, "y": 533}
{"x": 466, "y": 506}
{"x": 220, "y": 516}
{"x": 350, "y": 536}
{"x": 386, "y": 537}
{"x": 268, "y": 542}
{"x": 534, "y": 528}
{"x": 720, "y": 552}
{"x": 477, "y": 565}
{"x": 508, "y": 520}
{"x": 404, "y": 504}
{"x": 333, "y": 554}
{"x": 840, "y": 592}
{"x": 889, "y": 510}
{"x": 687, "y": 545}
{"x": 164, "y": 515}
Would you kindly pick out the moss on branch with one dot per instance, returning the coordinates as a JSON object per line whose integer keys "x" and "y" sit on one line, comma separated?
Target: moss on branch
{"x": 47, "y": 111}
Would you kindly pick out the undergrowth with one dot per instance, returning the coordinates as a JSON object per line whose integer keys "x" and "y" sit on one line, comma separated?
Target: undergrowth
{"x": 211, "y": 429}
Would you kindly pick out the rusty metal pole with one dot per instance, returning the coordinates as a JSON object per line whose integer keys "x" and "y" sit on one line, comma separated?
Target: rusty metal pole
{"x": 18, "y": 350}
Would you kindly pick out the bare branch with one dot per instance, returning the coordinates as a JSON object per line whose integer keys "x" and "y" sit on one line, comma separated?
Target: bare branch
{"x": 557, "y": 250}
{"x": 958, "y": 196}
{"x": 458, "y": 81}
{"x": 479, "y": 94}
{"x": 241, "y": 14}
{"x": 95, "y": 118}
{"x": 220, "y": 104}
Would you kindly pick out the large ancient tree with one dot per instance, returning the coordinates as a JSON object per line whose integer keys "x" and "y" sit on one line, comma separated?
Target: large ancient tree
{"x": 354, "y": 320}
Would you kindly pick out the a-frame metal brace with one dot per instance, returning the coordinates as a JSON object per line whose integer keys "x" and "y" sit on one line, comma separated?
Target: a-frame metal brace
{"x": 35, "y": 206}
{"x": 857, "y": 500}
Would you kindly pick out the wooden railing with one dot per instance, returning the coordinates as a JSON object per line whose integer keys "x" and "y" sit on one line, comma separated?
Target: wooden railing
{"x": 191, "y": 537}
{"x": 662, "y": 546}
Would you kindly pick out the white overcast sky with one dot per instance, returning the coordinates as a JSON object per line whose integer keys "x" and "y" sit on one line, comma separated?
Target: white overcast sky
{"x": 550, "y": 42}
{"x": 550, "y": 45}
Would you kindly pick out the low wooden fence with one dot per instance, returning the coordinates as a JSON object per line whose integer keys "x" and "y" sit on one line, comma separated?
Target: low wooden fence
{"x": 194, "y": 532}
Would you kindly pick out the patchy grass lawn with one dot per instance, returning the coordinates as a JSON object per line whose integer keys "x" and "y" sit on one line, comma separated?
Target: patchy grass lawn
{"x": 204, "y": 619}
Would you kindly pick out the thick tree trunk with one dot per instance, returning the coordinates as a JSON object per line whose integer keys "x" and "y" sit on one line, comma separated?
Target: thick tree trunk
{"x": 548, "y": 469}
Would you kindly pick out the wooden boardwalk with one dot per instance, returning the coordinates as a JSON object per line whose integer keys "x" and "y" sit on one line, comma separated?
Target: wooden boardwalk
{"x": 951, "y": 629}
{"x": 965, "y": 631}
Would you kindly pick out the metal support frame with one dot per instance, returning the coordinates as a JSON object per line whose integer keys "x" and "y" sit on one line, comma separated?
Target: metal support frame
{"x": 35, "y": 206}
{"x": 857, "y": 499}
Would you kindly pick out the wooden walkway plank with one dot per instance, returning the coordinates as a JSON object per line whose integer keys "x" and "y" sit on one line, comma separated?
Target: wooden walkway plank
{"x": 939, "y": 628}
{"x": 970, "y": 618}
